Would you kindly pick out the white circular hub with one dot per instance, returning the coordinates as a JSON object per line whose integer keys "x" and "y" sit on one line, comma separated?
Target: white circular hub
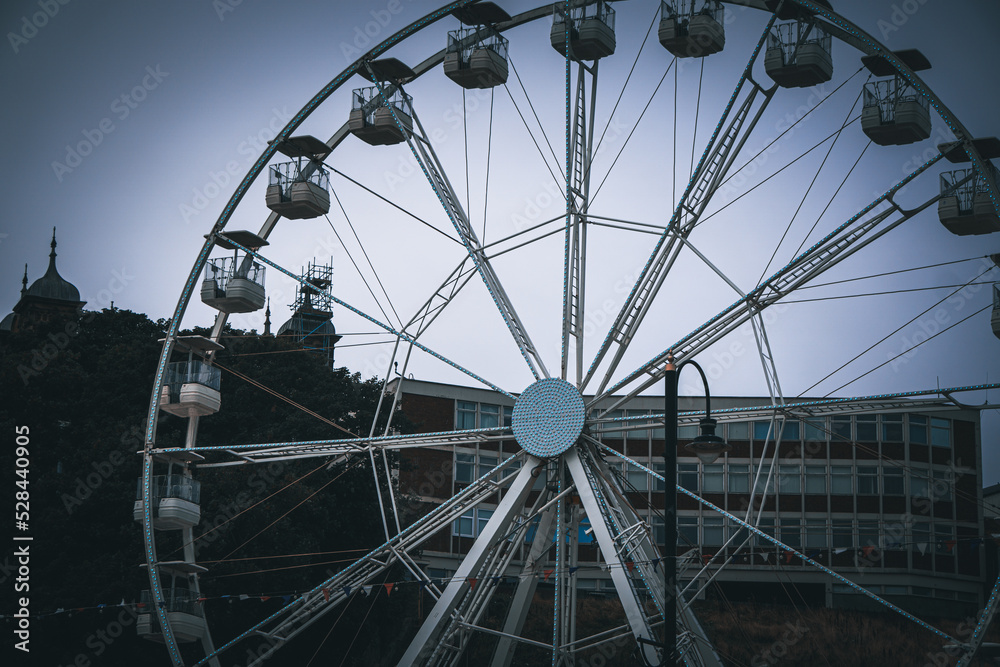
{"x": 548, "y": 417}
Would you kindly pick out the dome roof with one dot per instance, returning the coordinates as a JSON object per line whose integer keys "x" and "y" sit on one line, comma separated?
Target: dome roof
{"x": 7, "y": 323}
{"x": 308, "y": 324}
{"x": 52, "y": 285}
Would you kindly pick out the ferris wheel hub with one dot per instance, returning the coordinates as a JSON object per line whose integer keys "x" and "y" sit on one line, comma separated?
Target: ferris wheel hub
{"x": 548, "y": 417}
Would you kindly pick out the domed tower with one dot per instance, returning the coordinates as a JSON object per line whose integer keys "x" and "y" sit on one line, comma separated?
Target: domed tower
{"x": 51, "y": 298}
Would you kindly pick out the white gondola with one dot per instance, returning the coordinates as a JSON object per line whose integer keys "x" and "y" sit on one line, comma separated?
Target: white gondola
{"x": 184, "y": 613}
{"x": 300, "y": 189}
{"x": 965, "y": 206}
{"x": 894, "y": 113}
{"x": 476, "y": 58}
{"x": 176, "y": 502}
{"x": 591, "y": 31}
{"x": 798, "y": 55}
{"x": 235, "y": 284}
{"x": 379, "y": 122}
{"x": 692, "y": 29}
{"x": 191, "y": 387}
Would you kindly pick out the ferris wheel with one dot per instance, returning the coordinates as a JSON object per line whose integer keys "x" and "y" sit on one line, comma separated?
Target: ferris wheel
{"x": 760, "y": 175}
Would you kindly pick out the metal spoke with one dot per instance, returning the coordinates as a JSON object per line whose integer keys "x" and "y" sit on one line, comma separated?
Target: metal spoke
{"x": 717, "y": 159}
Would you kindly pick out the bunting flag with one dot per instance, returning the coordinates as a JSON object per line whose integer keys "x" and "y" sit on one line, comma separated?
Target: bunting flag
{"x": 764, "y": 555}
{"x": 101, "y": 606}
{"x": 605, "y": 567}
{"x": 840, "y": 550}
{"x": 226, "y": 597}
{"x": 367, "y": 590}
{"x": 815, "y": 554}
{"x": 573, "y": 569}
{"x": 867, "y": 551}
{"x": 265, "y": 598}
{"x": 244, "y": 596}
{"x": 141, "y": 605}
{"x": 495, "y": 580}
{"x": 388, "y": 589}
{"x": 706, "y": 558}
{"x": 974, "y": 544}
{"x": 347, "y": 591}
{"x": 422, "y": 584}
{"x": 326, "y": 594}
{"x": 285, "y": 599}
{"x": 950, "y": 544}
{"x": 656, "y": 563}
{"x": 547, "y": 573}
{"x": 472, "y": 583}
{"x": 201, "y": 600}
{"x": 630, "y": 566}
{"x": 922, "y": 546}
{"x": 788, "y": 557}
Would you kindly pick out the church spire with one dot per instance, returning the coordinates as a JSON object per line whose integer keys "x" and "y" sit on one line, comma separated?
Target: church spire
{"x": 267, "y": 318}
{"x": 24, "y": 280}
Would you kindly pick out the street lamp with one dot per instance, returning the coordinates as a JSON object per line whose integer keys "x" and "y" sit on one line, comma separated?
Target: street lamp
{"x": 707, "y": 447}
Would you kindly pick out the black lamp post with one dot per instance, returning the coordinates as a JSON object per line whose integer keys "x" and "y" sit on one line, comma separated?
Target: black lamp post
{"x": 707, "y": 447}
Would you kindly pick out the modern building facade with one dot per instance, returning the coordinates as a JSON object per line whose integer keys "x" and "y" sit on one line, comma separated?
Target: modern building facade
{"x": 886, "y": 492}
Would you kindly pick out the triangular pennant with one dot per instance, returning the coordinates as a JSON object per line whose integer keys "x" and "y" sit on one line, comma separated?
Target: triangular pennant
{"x": 974, "y": 544}
{"x": 388, "y": 589}
{"x": 629, "y": 566}
{"x": 472, "y": 583}
{"x": 326, "y": 594}
{"x": 265, "y": 598}
{"x": 421, "y": 584}
{"x": 226, "y": 597}
{"x": 706, "y": 558}
{"x": 285, "y": 598}
{"x": 605, "y": 567}
{"x": 867, "y": 551}
{"x": 495, "y": 580}
{"x": 950, "y": 544}
{"x": 656, "y": 563}
{"x": 764, "y": 555}
{"x": 367, "y": 590}
{"x": 840, "y": 550}
{"x": 347, "y": 591}
{"x": 788, "y": 557}
{"x": 101, "y": 606}
{"x": 244, "y": 596}
{"x": 922, "y": 546}
{"x": 547, "y": 573}
{"x": 573, "y": 569}
{"x": 140, "y": 605}
{"x": 201, "y": 600}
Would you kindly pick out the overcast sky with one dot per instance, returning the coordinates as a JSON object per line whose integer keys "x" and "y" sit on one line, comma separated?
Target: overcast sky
{"x": 129, "y": 125}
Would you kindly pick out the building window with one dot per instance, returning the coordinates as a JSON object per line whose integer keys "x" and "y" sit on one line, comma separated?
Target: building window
{"x": 687, "y": 477}
{"x": 464, "y": 526}
{"x": 712, "y": 481}
{"x": 762, "y": 431}
{"x": 892, "y": 428}
{"x": 840, "y": 428}
{"x": 739, "y": 479}
{"x": 843, "y": 533}
{"x": 465, "y": 467}
{"x": 689, "y": 432}
{"x": 867, "y": 481}
{"x": 816, "y": 533}
{"x": 940, "y": 432}
{"x": 919, "y": 484}
{"x": 713, "y": 531}
{"x": 638, "y": 480}
{"x": 816, "y": 480}
{"x": 942, "y": 487}
{"x": 472, "y": 523}
{"x": 687, "y": 531}
{"x": 791, "y": 532}
{"x": 867, "y": 428}
{"x": 789, "y": 480}
{"x": 791, "y": 431}
{"x": 918, "y": 429}
{"x": 466, "y": 417}
{"x": 892, "y": 482}
{"x": 868, "y": 534}
{"x": 765, "y": 525}
{"x": 815, "y": 430}
{"x": 489, "y": 415}
{"x": 739, "y": 431}
{"x": 840, "y": 480}
{"x": 640, "y": 434}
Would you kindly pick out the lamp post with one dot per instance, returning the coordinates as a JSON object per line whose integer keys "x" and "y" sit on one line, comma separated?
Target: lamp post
{"x": 707, "y": 447}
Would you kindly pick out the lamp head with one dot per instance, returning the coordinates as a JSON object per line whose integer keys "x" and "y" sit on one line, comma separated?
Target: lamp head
{"x": 708, "y": 446}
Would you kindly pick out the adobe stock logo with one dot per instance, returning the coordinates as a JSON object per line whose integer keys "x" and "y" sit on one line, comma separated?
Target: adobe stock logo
{"x": 31, "y": 25}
